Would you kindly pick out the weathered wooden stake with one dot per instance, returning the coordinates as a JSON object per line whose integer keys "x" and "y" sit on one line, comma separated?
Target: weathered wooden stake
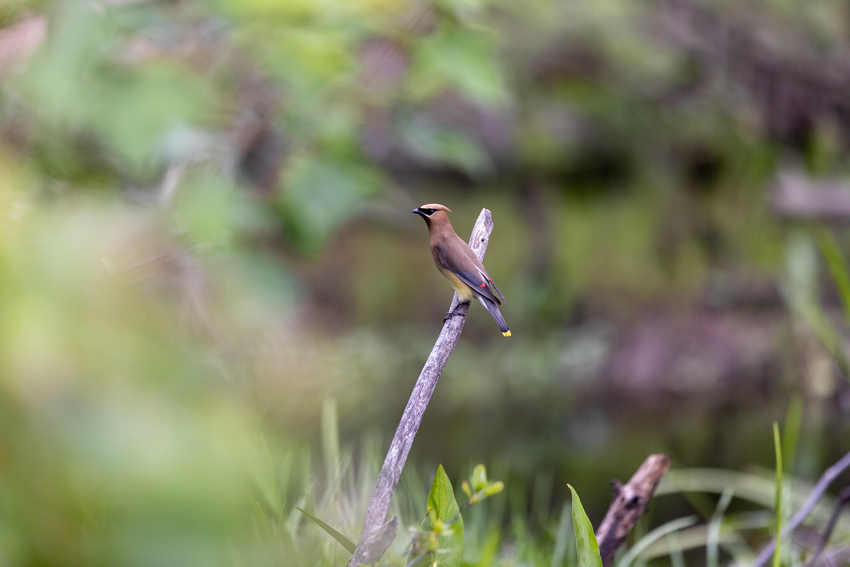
{"x": 630, "y": 503}
{"x": 377, "y": 533}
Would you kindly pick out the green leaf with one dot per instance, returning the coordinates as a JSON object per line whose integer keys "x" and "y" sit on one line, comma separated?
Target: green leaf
{"x": 457, "y": 59}
{"x": 346, "y": 543}
{"x": 320, "y": 194}
{"x": 586, "y": 547}
{"x": 446, "y": 521}
{"x": 164, "y": 99}
{"x": 479, "y": 478}
{"x": 777, "y": 553}
{"x": 435, "y": 144}
{"x": 492, "y": 489}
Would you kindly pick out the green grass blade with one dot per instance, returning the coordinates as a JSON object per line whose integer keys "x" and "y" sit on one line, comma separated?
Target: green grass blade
{"x": 837, "y": 266}
{"x": 827, "y": 334}
{"x": 801, "y": 289}
{"x": 655, "y": 535}
{"x": 563, "y": 542}
{"x": 791, "y": 433}
{"x": 330, "y": 438}
{"x": 490, "y": 549}
{"x": 712, "y": 545}
{"x": 677, "y": 557}
{"x": 346, "y": 543}
{"x": 777, "y": 443}
{"x": 587, "y": 549}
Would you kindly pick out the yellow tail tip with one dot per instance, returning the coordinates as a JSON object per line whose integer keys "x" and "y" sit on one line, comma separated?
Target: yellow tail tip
{"x": 507, "y": 333}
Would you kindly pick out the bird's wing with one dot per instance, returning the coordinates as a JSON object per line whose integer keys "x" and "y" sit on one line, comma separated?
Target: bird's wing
{"x": 497, "y": 289}
{"x": 478, "y": 279}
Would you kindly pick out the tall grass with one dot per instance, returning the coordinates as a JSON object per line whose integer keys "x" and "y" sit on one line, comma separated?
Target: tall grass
{"x": 510, "y": 530}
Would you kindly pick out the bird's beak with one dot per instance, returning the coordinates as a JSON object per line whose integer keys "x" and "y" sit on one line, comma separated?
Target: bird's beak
{"x": 418, "y": 212}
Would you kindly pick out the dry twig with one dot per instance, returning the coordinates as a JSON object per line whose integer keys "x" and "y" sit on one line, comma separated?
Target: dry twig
{"x": 843, "y": 500}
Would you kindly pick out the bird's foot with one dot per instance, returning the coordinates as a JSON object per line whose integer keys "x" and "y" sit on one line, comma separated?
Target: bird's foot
{"x": 451, "y": 314}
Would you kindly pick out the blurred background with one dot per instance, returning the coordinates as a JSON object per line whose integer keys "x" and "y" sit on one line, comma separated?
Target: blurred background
{"x": 214, "y": 301}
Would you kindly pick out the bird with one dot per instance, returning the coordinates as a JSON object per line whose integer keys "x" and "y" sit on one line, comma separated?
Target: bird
{"x": 458, "y": 263}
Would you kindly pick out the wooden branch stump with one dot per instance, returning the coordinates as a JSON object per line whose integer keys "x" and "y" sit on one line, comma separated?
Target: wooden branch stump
{"x": 378, "y": 534}
{"x": 630, "y": 503}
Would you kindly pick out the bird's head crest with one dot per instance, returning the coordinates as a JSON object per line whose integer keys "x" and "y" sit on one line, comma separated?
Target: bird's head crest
{"x": 429, "y": 210}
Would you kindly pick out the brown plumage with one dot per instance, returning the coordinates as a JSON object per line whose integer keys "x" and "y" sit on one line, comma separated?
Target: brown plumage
{"x": 458, "y": 263}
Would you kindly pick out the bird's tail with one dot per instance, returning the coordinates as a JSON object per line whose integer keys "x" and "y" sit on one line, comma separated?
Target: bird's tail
{"x": 497, "y": 315}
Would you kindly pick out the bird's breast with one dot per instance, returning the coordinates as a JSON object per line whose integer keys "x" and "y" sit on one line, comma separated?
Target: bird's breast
{"x": 464, "y": 292}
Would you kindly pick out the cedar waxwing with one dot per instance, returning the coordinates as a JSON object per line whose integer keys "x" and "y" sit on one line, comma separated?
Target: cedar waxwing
{"x": 456, "y": 260}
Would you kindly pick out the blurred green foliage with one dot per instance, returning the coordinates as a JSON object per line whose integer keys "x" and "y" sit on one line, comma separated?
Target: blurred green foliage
{"x": 135, "y": 290}
{"x": 203, "y": 236}
{"x": 123, "y": 444}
